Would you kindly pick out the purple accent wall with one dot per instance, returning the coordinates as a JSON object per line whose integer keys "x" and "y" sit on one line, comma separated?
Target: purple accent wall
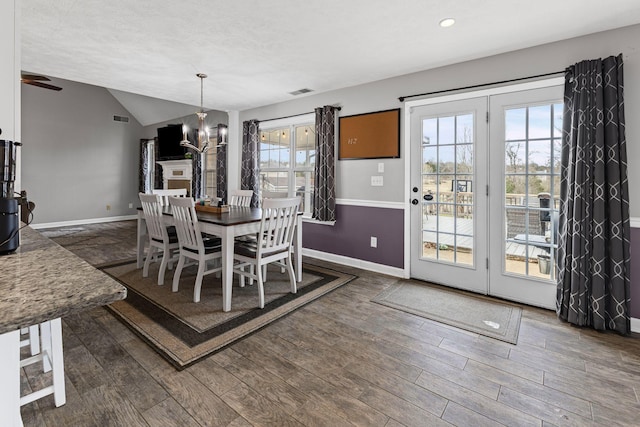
{"x": 351, "y": 234}
{"x": 635, "y": 273}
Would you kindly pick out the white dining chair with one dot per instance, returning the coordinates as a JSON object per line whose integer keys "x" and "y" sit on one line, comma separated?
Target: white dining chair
{"x": 273, "y": 245}
{"x": 165, "y": 194}
{"x": 161, "y": 238}
{"x": 193, "y": 245}
{"x": 240, "y": 198}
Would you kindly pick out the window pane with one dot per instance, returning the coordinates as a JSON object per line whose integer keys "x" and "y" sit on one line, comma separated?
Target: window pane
{"x": 446, "y": 159}
{"x": 446, "y": 130}
{"x": 277, "y": 182}
{"x": 539, "y": 156}
{"x": 557, "y": 120}
{"x": 540, "y": 121}
{"x": 430, "y": 132}
{"x": 304, "y": 189}
{"x": 514, "y": 157}
{"x": 464, "y": 131}
{"x": 515, "y": 122}
{"x": 305, "y": 146}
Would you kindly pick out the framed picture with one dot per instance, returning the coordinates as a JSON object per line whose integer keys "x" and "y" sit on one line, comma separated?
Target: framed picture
{"x": 370, "y": 135}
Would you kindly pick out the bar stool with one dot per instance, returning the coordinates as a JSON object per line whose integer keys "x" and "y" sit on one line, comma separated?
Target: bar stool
{"x": 33, "y": 341}
{"x": 50, "y": 355}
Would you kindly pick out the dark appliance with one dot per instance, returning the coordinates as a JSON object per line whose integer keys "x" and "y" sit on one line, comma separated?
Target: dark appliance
{"x": 9, "y": 219}
{"x": 168, "y": 146}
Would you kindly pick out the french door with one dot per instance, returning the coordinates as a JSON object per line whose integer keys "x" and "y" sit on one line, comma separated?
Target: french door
{"x": 448, "y": 194}
{"x": 485, "y": 184}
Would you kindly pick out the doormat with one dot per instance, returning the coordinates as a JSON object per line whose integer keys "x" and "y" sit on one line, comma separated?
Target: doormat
{"x": 479, "y": 314}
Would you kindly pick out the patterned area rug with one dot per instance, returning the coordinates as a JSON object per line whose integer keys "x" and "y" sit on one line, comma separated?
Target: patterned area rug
{"x": 185, "y": 332}
{"x": 475, "y": 313}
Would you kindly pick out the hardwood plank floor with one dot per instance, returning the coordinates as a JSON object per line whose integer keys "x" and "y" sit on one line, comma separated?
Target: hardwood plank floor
{"x": 340, "y": 360}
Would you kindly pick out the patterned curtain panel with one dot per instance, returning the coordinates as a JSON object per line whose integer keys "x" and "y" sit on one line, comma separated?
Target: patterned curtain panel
{"x": 593, "y": 253}
{"x": 221, "y": 165}
{"x": 196, "y": 183}
{"x": 250, "y": 161}
{"x": 324, "y": 193}
{"x": 144, "y": 174}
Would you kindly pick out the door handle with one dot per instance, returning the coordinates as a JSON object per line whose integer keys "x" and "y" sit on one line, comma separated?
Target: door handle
{"x": 414, "y": 202}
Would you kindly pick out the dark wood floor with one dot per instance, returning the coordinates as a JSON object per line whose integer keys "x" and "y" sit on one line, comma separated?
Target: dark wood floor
{"x": 340, "y": 360}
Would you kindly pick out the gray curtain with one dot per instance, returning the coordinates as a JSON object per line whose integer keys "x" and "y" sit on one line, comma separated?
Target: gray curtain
{"x": 250, "y": 161}
{"x": 221, "y": 165}
{"x": 593, "y": 254}
{"x": 324, "y": 192}
{"x": 144, "y": 172}
{"x": 196, "y": 183}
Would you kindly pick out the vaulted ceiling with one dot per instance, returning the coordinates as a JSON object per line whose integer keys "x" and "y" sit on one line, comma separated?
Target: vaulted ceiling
{"x": 258, "y": 52}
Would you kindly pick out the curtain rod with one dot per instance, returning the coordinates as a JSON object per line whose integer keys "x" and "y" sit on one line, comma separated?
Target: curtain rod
{"x": 295, "y": 115}
{"x": 402, "y": 98}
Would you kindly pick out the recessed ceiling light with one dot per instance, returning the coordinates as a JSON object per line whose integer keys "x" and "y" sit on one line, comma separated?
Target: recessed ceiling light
{"x": 447, "y": 22}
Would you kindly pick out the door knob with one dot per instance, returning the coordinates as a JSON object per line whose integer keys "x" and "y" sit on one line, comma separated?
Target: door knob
{"x": 415, "y": 189}
{"x": 414, "y": 202}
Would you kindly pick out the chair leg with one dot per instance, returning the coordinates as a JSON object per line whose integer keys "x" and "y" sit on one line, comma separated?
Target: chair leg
{"x": 176, "y": 275}
{"x": 166, "y": 253}
{"x": 196, "y": 290}
{"x": 260, "y": 285}
{"x": 147, "y": 261}
{"x": 292, "y": 275}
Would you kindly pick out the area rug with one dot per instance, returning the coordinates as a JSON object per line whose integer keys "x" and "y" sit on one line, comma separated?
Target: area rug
{"x": 478, "y": 314}
{"x": 185, "y": 332}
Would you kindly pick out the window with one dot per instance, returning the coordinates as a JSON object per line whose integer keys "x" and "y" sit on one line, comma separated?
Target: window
{"x": 287, "y": 160}
{"x": 210, "y": 158}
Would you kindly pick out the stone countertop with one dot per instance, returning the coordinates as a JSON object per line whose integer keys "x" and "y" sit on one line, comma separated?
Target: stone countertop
{"x": 41, "y": 281}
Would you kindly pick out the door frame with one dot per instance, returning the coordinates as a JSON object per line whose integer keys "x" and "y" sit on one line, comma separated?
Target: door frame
{"x": 538, "y": 84}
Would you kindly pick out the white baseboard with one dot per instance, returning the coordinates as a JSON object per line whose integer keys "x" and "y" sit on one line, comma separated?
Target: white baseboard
{"x": 635, "y": 325}
{"x": 353, "y": 262}
{"x": 82, "y": 221}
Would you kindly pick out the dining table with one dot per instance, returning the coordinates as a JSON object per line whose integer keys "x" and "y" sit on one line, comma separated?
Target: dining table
{"x": 41, "y": 282}
{"x": 236, "y": 221}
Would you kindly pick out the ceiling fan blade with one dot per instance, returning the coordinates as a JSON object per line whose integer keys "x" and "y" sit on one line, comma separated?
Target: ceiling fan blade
{"x": 34, "y": 77}
{"x": 44, "y": 85}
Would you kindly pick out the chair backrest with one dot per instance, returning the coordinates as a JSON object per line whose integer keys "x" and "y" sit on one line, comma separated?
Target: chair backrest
{"x": 273, "y": 194}
{"x": 152, "y": 208}
{"x": 186, "y": 223}
{"x": 240, "y": 198}
{"x": 165, "y": 194}
{"x": 278, "y": 224}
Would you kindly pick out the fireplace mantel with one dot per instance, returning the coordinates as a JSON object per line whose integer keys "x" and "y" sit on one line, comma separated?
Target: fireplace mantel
{"x": 177, "y": 174}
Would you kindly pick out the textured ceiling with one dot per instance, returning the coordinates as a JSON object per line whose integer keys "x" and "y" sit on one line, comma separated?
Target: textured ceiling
{"x": 256, "y": 52}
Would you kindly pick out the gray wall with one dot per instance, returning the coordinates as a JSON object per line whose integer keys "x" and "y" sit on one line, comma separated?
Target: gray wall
{"x": 75, "y": 159}
{"x": 354, "y": 175}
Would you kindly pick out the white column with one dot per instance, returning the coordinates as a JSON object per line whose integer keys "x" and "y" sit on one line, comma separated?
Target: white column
{"x": 234, "y": 150}
{"x": 10, "y": 76}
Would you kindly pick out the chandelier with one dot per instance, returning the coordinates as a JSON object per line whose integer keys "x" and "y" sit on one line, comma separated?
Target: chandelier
{"x": 204, "y": 142}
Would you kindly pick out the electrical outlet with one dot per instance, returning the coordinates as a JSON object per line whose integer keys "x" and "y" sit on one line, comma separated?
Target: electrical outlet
{"x": 377, "y": 181}
{"x": 130, "y": 205}
{"x": 108, "y": 207}
{"x": 374, "y": 242}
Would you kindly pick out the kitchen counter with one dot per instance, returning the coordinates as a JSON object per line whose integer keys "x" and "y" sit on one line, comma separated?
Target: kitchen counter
{"x": 43, "y": 281}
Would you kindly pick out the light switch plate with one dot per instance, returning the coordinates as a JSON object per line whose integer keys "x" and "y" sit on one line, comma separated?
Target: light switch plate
{"x": 380, "y": 167}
